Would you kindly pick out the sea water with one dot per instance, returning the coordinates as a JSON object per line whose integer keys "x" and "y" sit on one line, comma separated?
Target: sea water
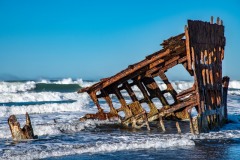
{"x": 55, "y": 108}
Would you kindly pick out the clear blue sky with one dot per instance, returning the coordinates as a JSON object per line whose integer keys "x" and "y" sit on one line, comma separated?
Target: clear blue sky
{"x": 93, "y": 39}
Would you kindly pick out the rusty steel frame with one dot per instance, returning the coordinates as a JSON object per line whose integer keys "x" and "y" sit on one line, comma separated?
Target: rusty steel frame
{"x": 19, "y": 133}
{"x": 200, "y": 49}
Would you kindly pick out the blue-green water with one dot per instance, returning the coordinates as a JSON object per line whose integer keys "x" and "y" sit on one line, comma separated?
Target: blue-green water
{"x": 55, "y": 109}
{"x": 43, "y": 87}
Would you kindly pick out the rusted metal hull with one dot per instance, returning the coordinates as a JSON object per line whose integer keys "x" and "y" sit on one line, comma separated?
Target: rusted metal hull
{"x": 19, "y": 133}
{"x": 200, "y": 49}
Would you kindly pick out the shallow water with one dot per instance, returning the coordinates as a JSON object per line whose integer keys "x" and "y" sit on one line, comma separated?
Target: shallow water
{"x": 201, "y": 150}
{"x": 55, "y": 119}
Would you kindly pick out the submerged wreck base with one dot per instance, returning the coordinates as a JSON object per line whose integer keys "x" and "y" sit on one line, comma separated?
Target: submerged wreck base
{"x": 200, "y": 49}
{"x": 19, "y": 133}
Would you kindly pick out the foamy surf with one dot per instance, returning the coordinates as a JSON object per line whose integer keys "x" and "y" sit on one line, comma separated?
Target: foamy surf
{"x": 46, "y": 108}
{"x": 6, "y": 87}
{"x": 234, "y": 84}
{"x": 54, "y": 127}
{"x": 73, "y": 85}
{"x": 13, "y": 87}
{"x": 40, "y": 96}
{"x": 55, "y": 119}
{"x": 56, "y": 149}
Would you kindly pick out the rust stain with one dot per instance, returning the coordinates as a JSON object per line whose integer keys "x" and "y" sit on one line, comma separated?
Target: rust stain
{"x": 19, "y": 133}
{"x": 200, "y": 49}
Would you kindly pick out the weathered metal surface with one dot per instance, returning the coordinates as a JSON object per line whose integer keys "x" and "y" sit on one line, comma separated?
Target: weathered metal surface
{"x": 200, "y": 49}
{"x": 19, "y": 133}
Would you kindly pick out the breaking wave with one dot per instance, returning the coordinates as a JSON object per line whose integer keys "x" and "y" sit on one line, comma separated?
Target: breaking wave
{"x": 65, "y": 85}
{"x": 37, "y": 97}
{"x": 108, "y": 143}
{"x": 6, "y": 87}
{"x": 56, "y": 128}
{"x": 56, "y": 149}
{"x": 46, "y": 108}
{"x": 69, "y": 85}
{"x": 234, "y": 84}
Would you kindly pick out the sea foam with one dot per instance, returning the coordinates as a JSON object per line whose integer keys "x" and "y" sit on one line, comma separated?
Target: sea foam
{"x": 234, "y": 84}
{"x": 39, "y": 96}
{"x": 46, "y": 108}
{"x": 56, "y": 149}
{"x": 13, "y": 87}
{"x": 6, "y": 87}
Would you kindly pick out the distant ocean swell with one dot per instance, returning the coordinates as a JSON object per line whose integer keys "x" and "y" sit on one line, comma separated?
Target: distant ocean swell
{"x": 45, "y": 87}
{"x": 69, "y": 85}
{"x": 65, "y": 85}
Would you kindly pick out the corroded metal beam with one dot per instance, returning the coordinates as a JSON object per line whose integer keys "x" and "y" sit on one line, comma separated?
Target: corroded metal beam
{"x": 19, "y": 133}
{"x": 200, "y": 49}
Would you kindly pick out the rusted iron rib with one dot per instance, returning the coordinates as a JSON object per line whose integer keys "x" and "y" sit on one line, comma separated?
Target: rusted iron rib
{"x": 201, "y": 53}
{"x": 19, "y": 133}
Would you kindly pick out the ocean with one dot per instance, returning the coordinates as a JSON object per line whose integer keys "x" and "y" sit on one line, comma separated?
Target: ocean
{"x": 55, "y": 108}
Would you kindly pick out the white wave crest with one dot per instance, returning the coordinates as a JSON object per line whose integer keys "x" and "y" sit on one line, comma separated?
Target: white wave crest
{"x": 181, "y": 85}
{"x": 13, "y": 87}
{"x": 37, "y": 97}
{"x": 49, "y": 127}
{"x": 46, "y": 108}
{"x": 68, "y": 81}
{"x": 234, "y": 84}
{"x": 6, "y": 87}
{"x": 177, "y": 85}
{"x": 234, "y": 92}
{"x": 79, "y": 126}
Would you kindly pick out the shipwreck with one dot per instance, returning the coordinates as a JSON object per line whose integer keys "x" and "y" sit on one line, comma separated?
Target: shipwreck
{"x": 19, "y": 133}
{"x": 200, "y": 49}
